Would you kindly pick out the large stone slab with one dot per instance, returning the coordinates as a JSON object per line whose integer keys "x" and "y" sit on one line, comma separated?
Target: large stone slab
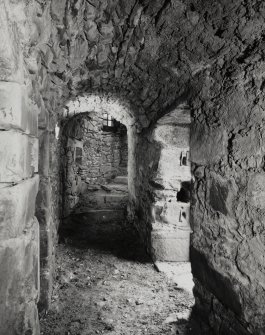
{"x": 18, "y": 156}
{"x": 19, "y": 283}
{"x": 171, "y": 168}
{"x": 16, "y": 111}
{"x": 17, "y": 207}
{"x": 12, "y": 109}
{"x": 207, "y": 145}
{"x": 10, "y": 54}
{"x": 170, "y": 245}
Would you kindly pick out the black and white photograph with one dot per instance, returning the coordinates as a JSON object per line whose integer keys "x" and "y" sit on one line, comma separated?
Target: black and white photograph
{"x": 132, "y": 167}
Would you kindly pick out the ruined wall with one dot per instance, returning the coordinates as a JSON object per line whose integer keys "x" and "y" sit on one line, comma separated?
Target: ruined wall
{"x": 154, "y": 55}
{"x": 91, "y": 157}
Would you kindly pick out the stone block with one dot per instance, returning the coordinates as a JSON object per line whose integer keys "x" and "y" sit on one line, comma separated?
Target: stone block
{"x": 170, "y": 245}
{"x": 207, "y": 146}
{"x": 222, "y": 194}
{"x": 16, "y": 111}
{"x": 34, "y": 153}
{"x": 17, "y": 207}
{"x": 19, "y": 283}
{"x": 170, "y": 168}
{"x": 173, "y": 213}
{"x": 32, "y": 119}
{"x": 18, "y": 158}
{"x": 10, "y": 55}
{"x": 43, "y": 118}
{"x": 58, "y": 10}
{"x": 256, "y": 191}
{"x": 46, "y": 286}
{"x": 46, "y": 264}
{"x": 217, "y": 281}
{"x": 44, "y": 152}
{"x": 12, "y": 109}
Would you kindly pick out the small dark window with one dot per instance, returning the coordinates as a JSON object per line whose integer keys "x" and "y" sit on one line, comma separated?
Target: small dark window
{"x": 184, "y": 158}
{"x": 184, "y": 193}
{"x": 78, "y": 155}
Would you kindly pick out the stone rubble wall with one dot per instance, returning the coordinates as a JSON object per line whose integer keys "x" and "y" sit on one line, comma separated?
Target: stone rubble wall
{"x": 103, "y": 156}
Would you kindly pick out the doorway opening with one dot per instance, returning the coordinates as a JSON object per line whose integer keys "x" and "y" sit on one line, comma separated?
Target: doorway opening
{"x": 94, "y": 168}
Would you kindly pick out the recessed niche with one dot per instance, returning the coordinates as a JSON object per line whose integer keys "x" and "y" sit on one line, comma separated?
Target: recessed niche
{"x": 183, "y": 195}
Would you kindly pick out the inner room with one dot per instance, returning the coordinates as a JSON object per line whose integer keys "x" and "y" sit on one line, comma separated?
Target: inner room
{"x": 94, "y": 166}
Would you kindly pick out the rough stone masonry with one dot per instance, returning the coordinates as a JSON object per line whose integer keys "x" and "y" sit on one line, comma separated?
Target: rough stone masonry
{"x": 149, "y": 57}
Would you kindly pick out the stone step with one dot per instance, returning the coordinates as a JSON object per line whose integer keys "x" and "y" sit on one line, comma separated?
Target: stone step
{"x": 116, "y": 187}
{"x": 103, "y": 199}
{"x": 171, "y": 245}
{"x": 123, "y": 171}
{"x": 121, "y": 180}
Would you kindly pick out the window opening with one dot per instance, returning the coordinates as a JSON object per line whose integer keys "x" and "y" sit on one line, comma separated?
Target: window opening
{"x": 78, "y": 155}
{"x": 108, "y": 120}
{"x": 109, "y": 123}
{"x": 184, "y": 158}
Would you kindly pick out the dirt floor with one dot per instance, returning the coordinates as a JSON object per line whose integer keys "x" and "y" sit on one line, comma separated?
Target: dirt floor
{"x": 106, "y": 284}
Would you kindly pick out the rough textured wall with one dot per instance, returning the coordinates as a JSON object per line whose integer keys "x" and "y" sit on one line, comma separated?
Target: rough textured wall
{"x": 163, "y": 202}
{"x": 155, "y": 54}
{"x": 92, "y": 157}
{"x": 19, "y": 181}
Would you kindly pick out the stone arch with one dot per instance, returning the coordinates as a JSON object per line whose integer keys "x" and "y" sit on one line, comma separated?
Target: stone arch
{"x": 85, "y": 103}
{"x": 93, "y": 102}
{"x": 118, "y": 109}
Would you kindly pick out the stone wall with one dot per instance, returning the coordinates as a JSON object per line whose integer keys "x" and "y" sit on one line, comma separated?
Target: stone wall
{"x": 163, "y": 207}
{"x": 92, "y": 157}
{"x": 153, "y": 55}
{"x": 19, "y": 181}
{"x": 228, "y": 221}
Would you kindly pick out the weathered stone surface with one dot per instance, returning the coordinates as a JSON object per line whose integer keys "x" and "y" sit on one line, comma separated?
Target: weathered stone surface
{"x": 170, "y": 245}
{"x": 17, "y": 207}
{"x": 207, "y": 145}
{"x": 222, "y": 194}
{"x": 158, "y": 55}
{"x": 172, "y": 212}
{"x": 19, "y": 289}
{"x": 221, "y": 285}
{"x": 18, "y": 158}
{"x": 12, "y": 109}
{"x": 164, "y": 168}
{"x": 16, "y": 110}
{"x": 256, "y": 191}
{"x": 177, "y": 136}
{"x": 10, "y": 52}
{"x": 170, "y": 169}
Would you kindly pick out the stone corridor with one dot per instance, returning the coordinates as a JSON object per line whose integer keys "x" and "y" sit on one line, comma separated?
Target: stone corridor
{"x": 106, "y": 284}
{"x": 149, "y": 112}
